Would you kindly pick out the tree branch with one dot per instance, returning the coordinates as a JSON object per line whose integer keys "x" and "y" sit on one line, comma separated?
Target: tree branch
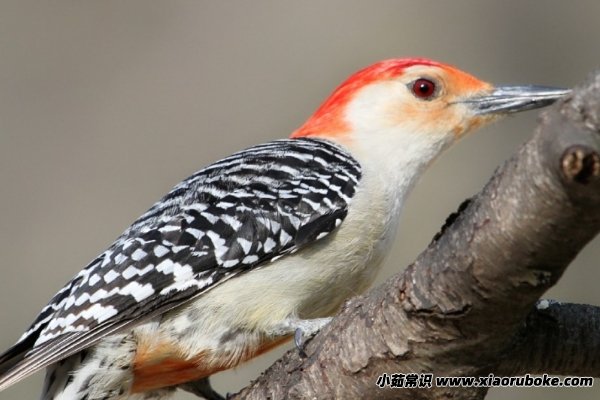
{"x": 557, "y": 338}
{"x": 461, "y": 309}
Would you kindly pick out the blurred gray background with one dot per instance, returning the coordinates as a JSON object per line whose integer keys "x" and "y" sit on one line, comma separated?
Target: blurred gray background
{"x": 105, "y": 105}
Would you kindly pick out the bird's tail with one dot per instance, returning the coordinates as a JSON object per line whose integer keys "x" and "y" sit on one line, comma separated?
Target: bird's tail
{"x": 11, "y": 359}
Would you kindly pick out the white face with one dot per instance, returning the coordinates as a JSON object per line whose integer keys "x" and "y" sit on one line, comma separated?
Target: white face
{"x": 422, "y": 100}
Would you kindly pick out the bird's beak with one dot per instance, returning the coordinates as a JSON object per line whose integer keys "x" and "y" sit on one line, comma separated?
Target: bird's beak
{"x": 510, "y": 99}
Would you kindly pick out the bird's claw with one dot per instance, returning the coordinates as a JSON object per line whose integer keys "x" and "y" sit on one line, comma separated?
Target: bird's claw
{"x": 306, "y": 330}
{"x": 299, "y": 342}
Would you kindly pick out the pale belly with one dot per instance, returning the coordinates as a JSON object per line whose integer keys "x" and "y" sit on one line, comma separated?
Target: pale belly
{"x": 312, "y": 283}
{"x": 239, "y": 318}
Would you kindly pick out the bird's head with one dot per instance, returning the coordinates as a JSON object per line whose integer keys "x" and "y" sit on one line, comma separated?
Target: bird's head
{"x": 400, "y": 100}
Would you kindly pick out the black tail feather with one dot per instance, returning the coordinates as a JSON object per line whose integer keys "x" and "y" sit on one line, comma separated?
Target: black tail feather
{"x": 15, "y": 354}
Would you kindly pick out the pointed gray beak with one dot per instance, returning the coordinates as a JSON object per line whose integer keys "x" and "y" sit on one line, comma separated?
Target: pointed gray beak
{"x": 510, "y": 99}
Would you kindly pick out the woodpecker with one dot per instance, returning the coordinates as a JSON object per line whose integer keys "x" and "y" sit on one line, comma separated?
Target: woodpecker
{"x": 259, "y": 247}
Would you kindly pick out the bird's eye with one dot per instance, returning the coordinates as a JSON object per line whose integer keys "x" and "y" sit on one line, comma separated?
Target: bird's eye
{"x": 423, "y": 88}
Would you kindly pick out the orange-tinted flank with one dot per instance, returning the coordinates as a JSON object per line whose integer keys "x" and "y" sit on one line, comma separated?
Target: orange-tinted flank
{"x": 162, "y": 365}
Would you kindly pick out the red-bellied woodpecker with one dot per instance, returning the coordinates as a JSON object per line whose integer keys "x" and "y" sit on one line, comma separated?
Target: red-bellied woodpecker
{"x": 259, "y": 246}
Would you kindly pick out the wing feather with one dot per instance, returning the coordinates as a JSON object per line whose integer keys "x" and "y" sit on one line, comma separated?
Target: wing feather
{"x": 231, "y": 217}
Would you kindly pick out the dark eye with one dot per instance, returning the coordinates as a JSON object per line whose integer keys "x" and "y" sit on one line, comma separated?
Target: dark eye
{"x": 423, "y": 88}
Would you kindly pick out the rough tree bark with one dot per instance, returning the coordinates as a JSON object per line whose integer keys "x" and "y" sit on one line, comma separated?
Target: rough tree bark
{"x": 467, "y": 305}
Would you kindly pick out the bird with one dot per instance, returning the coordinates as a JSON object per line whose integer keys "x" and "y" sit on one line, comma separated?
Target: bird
{"x": 260, "y": 247}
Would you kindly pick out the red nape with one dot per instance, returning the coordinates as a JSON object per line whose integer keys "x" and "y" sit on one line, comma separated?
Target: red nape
{"x": 328, "y": 120}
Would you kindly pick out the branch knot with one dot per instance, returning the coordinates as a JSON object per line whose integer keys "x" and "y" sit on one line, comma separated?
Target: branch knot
{"x": 580, "y": 164}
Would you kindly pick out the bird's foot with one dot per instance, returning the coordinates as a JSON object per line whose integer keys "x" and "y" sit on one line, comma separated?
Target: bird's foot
{"x": 302, "y": 329}
{"x": 306, "y": 330}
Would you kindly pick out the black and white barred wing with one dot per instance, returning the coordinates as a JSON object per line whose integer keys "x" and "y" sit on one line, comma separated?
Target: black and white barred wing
{"x": 230, "y": 217}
